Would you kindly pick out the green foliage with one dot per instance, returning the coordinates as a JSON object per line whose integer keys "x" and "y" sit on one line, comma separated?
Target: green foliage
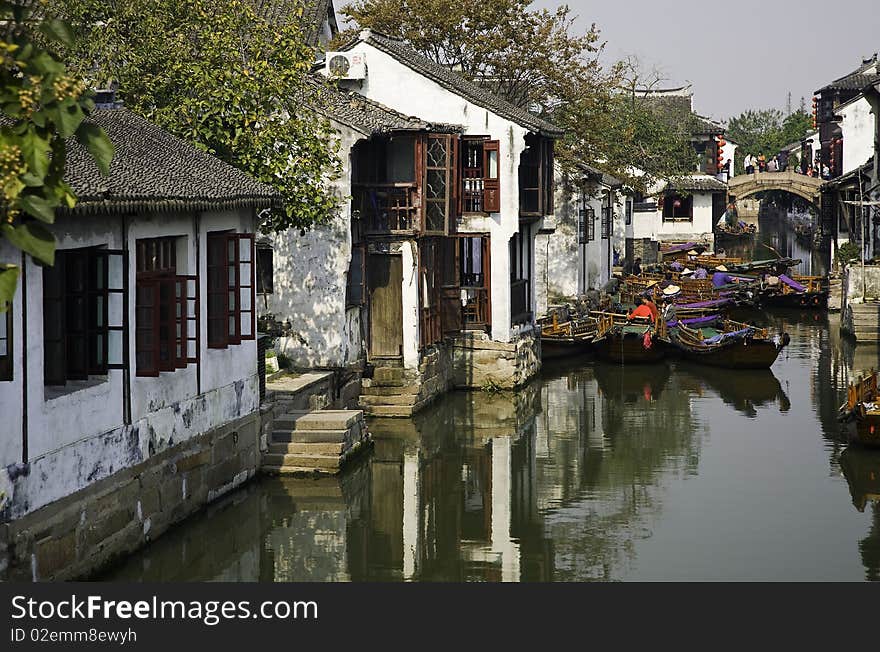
{"x": 42, "y": 104}
{"x": 534, "y": 58}
{"x": 848, "y": 251}
{"x": 215, "y": 73}
{"x": 767, "y": 131}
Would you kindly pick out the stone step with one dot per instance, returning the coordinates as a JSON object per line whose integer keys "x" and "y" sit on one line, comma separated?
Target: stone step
{"x": 274, "y": 469}
{"x": 394, "y": 390}
{"x": 400, "y": 399}
{"x": 295, "y": 448}
{"x": 387, "y": 374}
{"x": 310, "y": 436}
{"x": 389, "y": 410}
{"x": 316, "y": 462}
{"x": 318, "y": 420}
{"x": 393, "y": 384}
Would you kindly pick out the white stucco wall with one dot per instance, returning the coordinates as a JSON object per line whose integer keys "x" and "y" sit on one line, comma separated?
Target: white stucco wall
{"x": 857, "y": 126}
{"x": 651, "y": 224}
{"x": 395, "y": 85}
{"x": 11, "y": 404}
{"x": 77, "y": 436}
{"x": 728, "y": 153}
{"x": 310, "y": 275}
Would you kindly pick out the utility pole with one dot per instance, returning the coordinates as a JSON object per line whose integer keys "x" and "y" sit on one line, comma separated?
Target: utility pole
{"x": 788, "y": 104}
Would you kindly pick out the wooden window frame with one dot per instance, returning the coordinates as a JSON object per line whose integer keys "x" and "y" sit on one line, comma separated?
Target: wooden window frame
{"x": 451, "y": 199}
{"x": 540, "y": 155}
{"x": 261, "y": 254}
{"x": 233, "y": 282}
{"x": 607, "y": 220}
{"x": 356, "y": 293}
{"x": 669, "y": 211}
{"x": 93, "y": 296}
{"x": 6, "y": 357}
{"x": 480, "y": 192}
{"x": 177, "y": 295}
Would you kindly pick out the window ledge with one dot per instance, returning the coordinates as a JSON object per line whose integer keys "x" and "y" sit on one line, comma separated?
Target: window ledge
{"x": 57, "y": 391}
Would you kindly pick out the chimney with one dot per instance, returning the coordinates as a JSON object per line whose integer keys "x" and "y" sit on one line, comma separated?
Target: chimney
{"x": 105, "y": 98}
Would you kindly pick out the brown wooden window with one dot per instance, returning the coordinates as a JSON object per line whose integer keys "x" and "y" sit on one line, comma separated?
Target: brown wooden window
{"x": 6, "y": 343}
{"x": 607, "y": 218}
{"x": 83, "y": 312}
{"x": 265, "y": 269}
{"x": 677, "y": 207}
{"x": 440, "y": 184}
{"x": 536, "y": 196}
{"x": 480, "y": 175}
{"x": 166, "y": 309}
{"x": 231, "y": 269}
{"x": 355, "y": 286}
{"x": 586, "y": 222}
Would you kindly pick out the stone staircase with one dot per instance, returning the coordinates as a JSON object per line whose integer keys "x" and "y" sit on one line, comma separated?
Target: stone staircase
{"x": 394, "y": 391}
{"x": 315, "y": 442}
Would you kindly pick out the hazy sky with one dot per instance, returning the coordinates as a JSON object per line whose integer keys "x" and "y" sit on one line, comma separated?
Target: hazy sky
{"x": 738, "y": 54}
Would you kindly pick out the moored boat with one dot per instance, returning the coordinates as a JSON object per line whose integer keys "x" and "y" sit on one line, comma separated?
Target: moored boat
{"x": 625, "y": 341}
{"x": 861, "y": 412}
{"x": 730, "y": 344}
{"x": 564, "y": 339}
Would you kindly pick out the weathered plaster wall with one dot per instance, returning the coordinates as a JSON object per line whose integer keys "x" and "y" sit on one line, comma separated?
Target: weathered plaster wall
{"x": 11, "y": 403}
{"x": 858, "y": 133}
{"x": 310, "y": 273}
{"x": 77, "y": 436}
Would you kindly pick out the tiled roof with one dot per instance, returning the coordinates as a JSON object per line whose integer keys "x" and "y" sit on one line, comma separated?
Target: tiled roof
{"x": 676, "y": 110}
{"x": 455, "y": 82}
{"x": 314, "y": 13}
{"x": 696, "y": 182}
{"x": 598, "y": 175}
{"x": 867, "y": 73}
{"x": 367, "y": 116}
{"x": 153, "y": 170}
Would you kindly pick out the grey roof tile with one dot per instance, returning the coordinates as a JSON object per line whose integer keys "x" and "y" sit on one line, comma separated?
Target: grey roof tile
{"x": 696, "y": 183}
{"x": 314, "y": 13}
{"x": 456, "y": 83}
{"x": 368, "y": 116}
{"x": 153, "y": 170}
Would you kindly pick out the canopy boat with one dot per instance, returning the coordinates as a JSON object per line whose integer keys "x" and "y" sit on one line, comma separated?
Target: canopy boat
{"x": 769, "y": 265}
{"x": 562, "y": 339}
{"x": 728, "y": 344}
{"x": 702, "y": 308}
{"x": 628, "y": 341}
{"x": 734, "y": 234}
{"x": 861, "y": 412}
{"x": 796, "y": 292}
{"x": 679, "y": 250}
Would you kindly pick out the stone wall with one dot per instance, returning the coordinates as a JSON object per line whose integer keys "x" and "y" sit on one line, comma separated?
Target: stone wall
{"x": 644, "y": 248}
{"x": 478, "y": 362}
{"x": 83, "y": 532}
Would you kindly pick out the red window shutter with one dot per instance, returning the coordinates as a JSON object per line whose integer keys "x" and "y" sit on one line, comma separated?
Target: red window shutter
{"x": 147, "y": 327}
{"x": 492, "y": 176}
{"x": 218, "y": 291}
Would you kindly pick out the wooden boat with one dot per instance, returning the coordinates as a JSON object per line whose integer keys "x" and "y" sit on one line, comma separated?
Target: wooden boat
{"x": 860, "y": 414}
{"x": 626, "y": 341}
{"x": 670, "y": 251}
{"x": 745, "y": 390}
{"x": 734, "y": 345}
{"x": 806, "y": 292}
{"x": 563, "y": 339}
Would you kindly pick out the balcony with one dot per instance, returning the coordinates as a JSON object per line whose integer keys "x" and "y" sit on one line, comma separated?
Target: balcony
{"x": 475, "y": 307}
{"x": 519, "y": 302}
{"x": 386, "y": 208}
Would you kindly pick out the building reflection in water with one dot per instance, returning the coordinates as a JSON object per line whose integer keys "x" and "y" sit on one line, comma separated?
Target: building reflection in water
{"x": 560, "y": 481}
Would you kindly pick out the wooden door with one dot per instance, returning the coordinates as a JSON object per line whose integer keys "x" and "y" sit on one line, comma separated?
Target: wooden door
{"x": 385, "y": 279}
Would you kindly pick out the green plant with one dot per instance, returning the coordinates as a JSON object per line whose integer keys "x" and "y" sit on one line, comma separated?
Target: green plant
{"x": 490, "y": 386}
{"x": 847, "y": 251}
{"x": 42, "y": 105}
{"x": 284, "y": 362}
{"x": 271, "y": 354}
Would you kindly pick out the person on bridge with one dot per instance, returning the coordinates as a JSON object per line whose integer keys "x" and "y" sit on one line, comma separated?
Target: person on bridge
{"x": 783, "y": 161}
{"x": 772, "y": 165}
{"x": 762, "y": 162}
{"x": 749, "y": 164}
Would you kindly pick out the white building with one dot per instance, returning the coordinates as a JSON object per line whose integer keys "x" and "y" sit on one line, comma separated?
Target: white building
{"x": 857, "y": 130}
{"x": 591, "y": 217}
{"x": 687, "y": 208}
{"x": 438, "y": 241}
{"x": 135, "y": 349}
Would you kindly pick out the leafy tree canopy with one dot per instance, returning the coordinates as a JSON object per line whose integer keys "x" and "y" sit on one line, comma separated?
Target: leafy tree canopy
{"x": 767, "y": 131}
{"x": 535, "y": 58}
{"x": 41, "y": 105}
{"x": 219, "y": 75}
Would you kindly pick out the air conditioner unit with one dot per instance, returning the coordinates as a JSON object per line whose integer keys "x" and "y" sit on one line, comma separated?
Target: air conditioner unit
{"x": 346, "y": 65}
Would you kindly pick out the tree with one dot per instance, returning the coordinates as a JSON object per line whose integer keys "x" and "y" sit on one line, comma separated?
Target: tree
{"x": 219, "y": 75}
{"x": 767, "y": 131}
{"x": 534, "y": 58}
{"x": 41, "y": 105}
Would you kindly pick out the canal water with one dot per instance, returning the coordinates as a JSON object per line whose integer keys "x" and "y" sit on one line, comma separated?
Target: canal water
{"x": 592, "y": 472}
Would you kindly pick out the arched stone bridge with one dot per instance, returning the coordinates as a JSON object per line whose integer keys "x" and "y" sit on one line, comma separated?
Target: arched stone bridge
{"x": 746, "y": 185}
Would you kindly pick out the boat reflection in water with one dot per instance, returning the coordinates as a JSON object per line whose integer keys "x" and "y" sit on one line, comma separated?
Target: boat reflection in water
{"x": 861, "y": 468}
{"x": 745, "y": 390}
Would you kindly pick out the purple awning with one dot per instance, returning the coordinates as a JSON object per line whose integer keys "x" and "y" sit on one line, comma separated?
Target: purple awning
{"x": 790, "y": 282}
{"x": 712, "y": 303}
